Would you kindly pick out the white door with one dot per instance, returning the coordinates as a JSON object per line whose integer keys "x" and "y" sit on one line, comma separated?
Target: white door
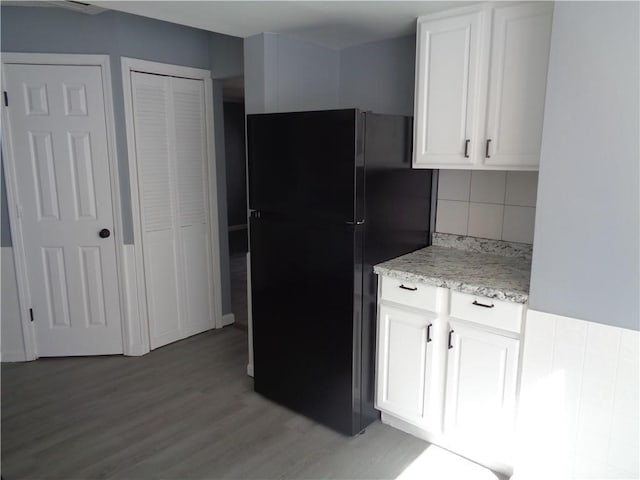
{"x": 404, "y": 361}
{"x": 517, "y": 84}
{"x": 59, "y": 143}
{"x": 447, "y": 91}
{"x": 481, "y": 385}
{"x": 171, "y": 160}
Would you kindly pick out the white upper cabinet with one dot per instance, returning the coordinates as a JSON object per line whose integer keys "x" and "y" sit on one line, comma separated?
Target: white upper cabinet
{"x": 447, "y": 89}
{"x": 517, "y": 83}
{"x": 480, "y": 86}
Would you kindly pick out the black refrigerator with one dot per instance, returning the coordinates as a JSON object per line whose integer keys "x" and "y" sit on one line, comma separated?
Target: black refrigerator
{"x": 331, "y": 193}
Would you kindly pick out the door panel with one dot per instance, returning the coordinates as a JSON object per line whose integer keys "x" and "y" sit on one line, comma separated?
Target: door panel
{"x": 171, "y": 151}
{"x": 404, "y": 363}
{"x": 304, "y": 164}
{"x": 447, "y": 86}
{"x": 163, "y": 299}
{"x": 58, "y": 135}
{"x": 193, "y": 204}
{"x": 517, "y": 83}
{"x": 481, "y": 384}
{"x": 157, "y": 193}
{"x": 92, "y": 288}
{"x": 197, "y": 279}
{"x": 306, "y": 310}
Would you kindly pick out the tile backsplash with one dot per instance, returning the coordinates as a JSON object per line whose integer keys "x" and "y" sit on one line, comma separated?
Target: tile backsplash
{"x": 497, "y": 205}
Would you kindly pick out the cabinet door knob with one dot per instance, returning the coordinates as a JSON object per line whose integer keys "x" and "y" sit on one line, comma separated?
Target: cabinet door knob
{"x": 486, "y": 152}
{"x": 466, "y": 148}
{"x": 450, "y": 344}
{"x": 429, "y": 332}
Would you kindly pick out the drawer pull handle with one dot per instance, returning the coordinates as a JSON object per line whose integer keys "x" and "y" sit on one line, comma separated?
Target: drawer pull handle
{"x": 450, "y": 344}
{"x": 429, "y": 332}
{"x": 411, "y": 289}
{"x": 478, "y": 304}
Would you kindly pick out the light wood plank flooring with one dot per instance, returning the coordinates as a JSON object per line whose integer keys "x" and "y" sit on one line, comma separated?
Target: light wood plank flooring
{"x": 184, "y": 411}
{"x": 238, "y": 277}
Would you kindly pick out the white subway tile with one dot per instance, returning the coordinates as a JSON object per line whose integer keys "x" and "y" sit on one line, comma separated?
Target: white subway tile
{"x": 568, "y": 357}
{"x": 624, "y": 444}
{"x": 485, "y": 220}
{"x": 598, "y": 411}
{"x": 454, "y": 184}
{"x": 522, "y": 189}
{"x": 518, "y": 225}
{"x": 590, "y": 457}
{"x": 627, "y": 399}
{"x": 452, "y": 217}
{"x": 488, "y": 187}
{"x": 598, "y": 385}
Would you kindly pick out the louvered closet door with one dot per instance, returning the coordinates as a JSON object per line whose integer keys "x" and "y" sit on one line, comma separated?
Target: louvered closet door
{"x": 171, "y": 162}
{"x": 193, "y": 211}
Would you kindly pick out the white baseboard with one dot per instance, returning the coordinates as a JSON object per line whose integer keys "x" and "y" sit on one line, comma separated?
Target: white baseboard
{"x": 250, "y": 369}
{"x": 136, "y": 351}
{"x": 11, "y": 335}
{"x": 228, "y": 319}
{"x": 16, "y": 356}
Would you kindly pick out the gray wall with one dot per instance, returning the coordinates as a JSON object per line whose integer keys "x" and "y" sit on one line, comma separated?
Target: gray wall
{"x": 236, "y": 165}
{"x": 54, "y": 30}
{"x": 587, "y": 242}
{"x": 379, "y": 76}
{"x": 254, "y": 83}
{"x": 283, "y": 73}
{"x": 286, "y": 74}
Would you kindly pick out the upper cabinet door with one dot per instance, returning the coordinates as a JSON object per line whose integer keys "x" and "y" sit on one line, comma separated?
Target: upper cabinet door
{"x": 447, "y": 81}
{"x": 517, "y": 83}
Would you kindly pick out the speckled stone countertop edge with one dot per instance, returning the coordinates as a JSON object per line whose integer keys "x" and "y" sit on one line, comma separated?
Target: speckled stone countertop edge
{"x": 482, "y": 245}
{"x": 463, "y": 287}
{"x": 476, "y": 266}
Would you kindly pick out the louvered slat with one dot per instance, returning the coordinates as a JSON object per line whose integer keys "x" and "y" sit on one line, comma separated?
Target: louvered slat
{"x": 150, "y": 95}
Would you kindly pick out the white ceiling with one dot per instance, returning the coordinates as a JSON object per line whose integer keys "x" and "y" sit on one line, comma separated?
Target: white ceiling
{"x": 334, "y": 24}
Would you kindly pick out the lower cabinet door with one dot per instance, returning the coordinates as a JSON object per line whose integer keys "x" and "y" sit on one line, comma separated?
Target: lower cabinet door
{"x": 405, "y": 353}
{"x": 480, "y": 386}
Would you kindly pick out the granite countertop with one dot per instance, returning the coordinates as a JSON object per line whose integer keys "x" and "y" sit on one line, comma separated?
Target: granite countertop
{"x": 479, "y": 267}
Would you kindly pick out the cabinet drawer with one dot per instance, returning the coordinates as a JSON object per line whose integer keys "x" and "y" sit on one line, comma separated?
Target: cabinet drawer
{"x": 412, "y": 294}
{"x": 487, "y": 311}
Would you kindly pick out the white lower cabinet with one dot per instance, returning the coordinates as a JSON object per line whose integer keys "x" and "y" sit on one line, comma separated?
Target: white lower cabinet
{"x": 482, "y": 368}
{"x": 452, "y": 381}
{"x": 405, "y": 355}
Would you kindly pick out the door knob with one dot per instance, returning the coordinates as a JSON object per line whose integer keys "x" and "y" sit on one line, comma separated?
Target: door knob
{"x": 104, "y": 233}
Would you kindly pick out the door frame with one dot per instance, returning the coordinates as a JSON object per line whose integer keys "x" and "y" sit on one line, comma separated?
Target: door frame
{"x": 19, "y": 253}
{"x": 129, "y": 65}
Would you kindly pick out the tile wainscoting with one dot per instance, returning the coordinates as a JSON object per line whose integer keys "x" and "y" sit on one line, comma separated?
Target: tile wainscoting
{"x": 579, "y": 412}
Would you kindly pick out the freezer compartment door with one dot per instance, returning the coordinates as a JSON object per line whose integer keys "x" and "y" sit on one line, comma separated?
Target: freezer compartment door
{"x": 305, "y": 164}
{"x": 306, "y": 286}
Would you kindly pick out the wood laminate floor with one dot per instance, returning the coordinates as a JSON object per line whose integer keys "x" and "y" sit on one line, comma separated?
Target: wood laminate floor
{"x": 238, "y": 278}
{"x": 184, "y": 411}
